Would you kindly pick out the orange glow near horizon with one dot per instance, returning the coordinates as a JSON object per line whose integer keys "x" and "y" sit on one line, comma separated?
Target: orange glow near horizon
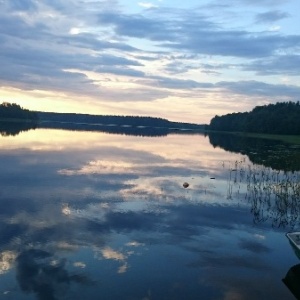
{"x": 182, "y": 107}
{"x": 53, "y": 102}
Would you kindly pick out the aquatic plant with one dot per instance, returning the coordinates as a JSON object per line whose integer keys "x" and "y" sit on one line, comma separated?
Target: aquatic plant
{"x": 273, "y": 195}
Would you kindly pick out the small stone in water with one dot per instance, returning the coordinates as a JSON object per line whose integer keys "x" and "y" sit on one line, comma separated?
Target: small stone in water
{"x": 185, "y": 185}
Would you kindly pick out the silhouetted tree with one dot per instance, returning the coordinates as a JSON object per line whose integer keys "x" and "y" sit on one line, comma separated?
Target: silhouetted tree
{"x": 279, "y": 118}
{"x": 15, "y": 111}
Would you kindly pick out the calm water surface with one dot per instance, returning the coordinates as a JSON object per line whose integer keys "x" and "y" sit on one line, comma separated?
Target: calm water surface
{"x": 90, "y": 215}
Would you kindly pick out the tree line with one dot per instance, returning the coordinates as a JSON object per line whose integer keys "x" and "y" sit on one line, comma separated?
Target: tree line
{"x": 279, "y": 118}
{"x": 14, "y": 111}
{"x": 114, "y": 120}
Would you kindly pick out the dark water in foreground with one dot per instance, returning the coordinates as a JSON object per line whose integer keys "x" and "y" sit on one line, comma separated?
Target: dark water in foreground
{"x": 89, "y": 215}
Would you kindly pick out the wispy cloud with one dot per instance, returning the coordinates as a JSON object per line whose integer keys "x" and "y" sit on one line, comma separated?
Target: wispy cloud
{"x": 147, "y": 4}
{"x": 148, "y": 51}
{"x": 271, "y": 16}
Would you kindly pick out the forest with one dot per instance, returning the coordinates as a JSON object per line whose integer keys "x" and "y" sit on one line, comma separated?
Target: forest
{"x": 15, "y": 112}
{"x": 279, "y": 118}
{"x": 134, "y": 121}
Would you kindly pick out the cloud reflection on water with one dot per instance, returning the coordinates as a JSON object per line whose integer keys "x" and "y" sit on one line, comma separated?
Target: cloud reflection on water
{"x": 116, "y": 205}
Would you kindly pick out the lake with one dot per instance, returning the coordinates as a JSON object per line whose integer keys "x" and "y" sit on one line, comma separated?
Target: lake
{"x": 105, "y": 215}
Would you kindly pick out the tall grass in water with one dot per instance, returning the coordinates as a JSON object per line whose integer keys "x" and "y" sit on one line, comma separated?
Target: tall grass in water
{"x": 273, "y": 195}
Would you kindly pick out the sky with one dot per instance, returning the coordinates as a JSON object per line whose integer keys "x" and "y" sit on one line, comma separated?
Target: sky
{"x": 186, "y": 61}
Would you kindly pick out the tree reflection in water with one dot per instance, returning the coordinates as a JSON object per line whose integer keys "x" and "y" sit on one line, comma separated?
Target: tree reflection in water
{"x": 273, "y": 194}
{"x": 15, "y": 128}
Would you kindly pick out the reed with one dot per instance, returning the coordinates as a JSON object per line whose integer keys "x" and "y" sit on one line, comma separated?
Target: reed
{"x": 273, "y": 195}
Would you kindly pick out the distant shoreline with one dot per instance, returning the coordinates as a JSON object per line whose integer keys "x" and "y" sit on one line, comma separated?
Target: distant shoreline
{"x": 114, "y": 120}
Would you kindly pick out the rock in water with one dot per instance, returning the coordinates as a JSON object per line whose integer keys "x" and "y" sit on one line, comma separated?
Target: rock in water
{"x": 185, "y": 185}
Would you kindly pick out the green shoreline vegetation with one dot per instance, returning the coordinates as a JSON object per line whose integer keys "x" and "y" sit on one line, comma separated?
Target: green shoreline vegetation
{"x": 15, "y": 113}
{"x": 280, "y": 121}
{"x": 282, "y": 118}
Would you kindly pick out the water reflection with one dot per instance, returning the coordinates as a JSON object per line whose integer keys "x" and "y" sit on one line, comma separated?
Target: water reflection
{"x": 115, "y": 129}
{"x": 273, "y": 195}
{"x": 39, "y": 272}
{"x": 270, "y": 153}
{"x": 87, "y": 214}
{"x": 15, "y": 128}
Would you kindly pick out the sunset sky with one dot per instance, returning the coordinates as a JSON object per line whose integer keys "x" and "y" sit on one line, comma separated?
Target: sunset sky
{"x": 181, "y": 60}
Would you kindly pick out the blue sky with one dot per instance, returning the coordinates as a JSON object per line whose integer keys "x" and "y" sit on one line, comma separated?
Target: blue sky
{"x": 182, "y": 60}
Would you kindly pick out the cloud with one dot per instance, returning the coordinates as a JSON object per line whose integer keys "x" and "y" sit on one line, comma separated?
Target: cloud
{"x": 256, "y": 88}
{"x": 147, "y": 5}
{"x": 271, "y": 16}
{"x": 194, "y": 32}
{"x": 22, "y": 5}
{"x": 107, "y": 53}
{"x": 278, "y": 65}
{"x": 137, "y": 26}
{"x": 174, "y": 83}
{"x": 258, "y": 3}
{"x": 233, "y": 43}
